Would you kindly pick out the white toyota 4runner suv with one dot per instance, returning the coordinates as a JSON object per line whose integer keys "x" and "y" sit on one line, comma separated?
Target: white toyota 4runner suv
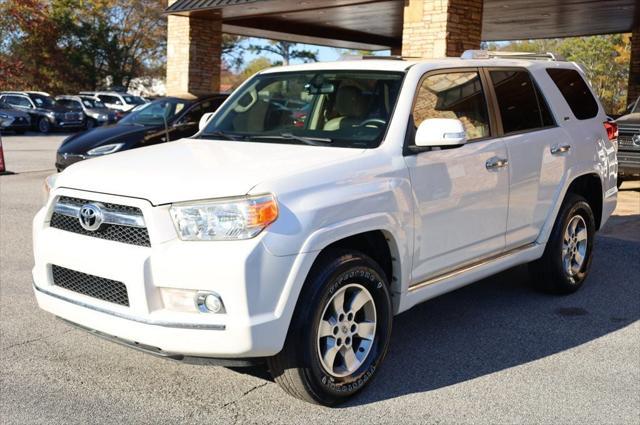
{"x": 321, "y": 200}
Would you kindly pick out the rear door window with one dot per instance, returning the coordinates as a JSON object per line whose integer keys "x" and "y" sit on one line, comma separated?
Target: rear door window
{"x": 522, "y": 106}
{"x": 575, "y": 91}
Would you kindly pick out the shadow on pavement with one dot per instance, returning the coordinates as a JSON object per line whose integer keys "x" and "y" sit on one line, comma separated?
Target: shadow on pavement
{"x": 500, "y": 323}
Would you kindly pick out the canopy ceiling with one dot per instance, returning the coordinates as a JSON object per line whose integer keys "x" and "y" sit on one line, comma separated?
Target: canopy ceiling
{"x": 377, "y": 24}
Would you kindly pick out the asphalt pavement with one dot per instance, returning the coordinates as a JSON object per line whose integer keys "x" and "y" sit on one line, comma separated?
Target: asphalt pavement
{"x": 495, "y": 352}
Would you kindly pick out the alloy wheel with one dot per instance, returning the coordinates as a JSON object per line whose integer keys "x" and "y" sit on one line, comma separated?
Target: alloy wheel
{"x": 347, "y": 330}
{"x": 574, "y": 245}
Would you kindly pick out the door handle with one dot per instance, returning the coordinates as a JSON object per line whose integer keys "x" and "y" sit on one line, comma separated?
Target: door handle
{"x": 495, "y": 163}
{"x": 558, "y": 149}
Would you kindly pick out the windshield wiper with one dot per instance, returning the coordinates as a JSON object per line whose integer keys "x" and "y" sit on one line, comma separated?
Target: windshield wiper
{"x": 219, "y": 134}
{"x": 312, "y": 141}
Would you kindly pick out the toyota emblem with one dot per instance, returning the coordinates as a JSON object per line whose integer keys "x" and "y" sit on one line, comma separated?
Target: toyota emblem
{"x": 91, "y": 217}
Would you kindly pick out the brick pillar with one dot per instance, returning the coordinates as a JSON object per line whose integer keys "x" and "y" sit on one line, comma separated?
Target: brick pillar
{"x": 634, "y": 65}
{"x": 194, "y": 54}
{"x": 439, "y": 28}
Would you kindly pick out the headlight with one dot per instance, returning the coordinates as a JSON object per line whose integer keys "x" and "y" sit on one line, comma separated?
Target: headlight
{"x": 225, "y": 219}
{"x": 106, "y": 149}
{"x": 49, "y": 183}
{"x": 3, "y": 115}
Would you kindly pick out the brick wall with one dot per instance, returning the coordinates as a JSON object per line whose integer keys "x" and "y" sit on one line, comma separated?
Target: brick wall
{"x": 193, "y": 54}
{"x": 634, "y": 66}
{"x": 439, "y": 28}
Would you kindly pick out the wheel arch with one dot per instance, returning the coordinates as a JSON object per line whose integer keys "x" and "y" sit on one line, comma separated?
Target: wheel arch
{"x": 589, "y": 186}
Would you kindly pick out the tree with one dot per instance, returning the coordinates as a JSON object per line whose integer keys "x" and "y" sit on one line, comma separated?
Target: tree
{"x": 286, "y": 50}
{"x": 66, "y": 45}
{"x": 233, "y": 50}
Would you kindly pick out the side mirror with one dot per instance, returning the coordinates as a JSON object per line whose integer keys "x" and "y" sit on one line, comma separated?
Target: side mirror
{"x": 204, "y": 119}
{"x": 440, "y": 132}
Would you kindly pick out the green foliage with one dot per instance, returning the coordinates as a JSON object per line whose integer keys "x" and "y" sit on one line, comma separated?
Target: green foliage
{"x": 286, "y": 50}
{"x": 604, "y": 58}
{"x": 68, "y": 45}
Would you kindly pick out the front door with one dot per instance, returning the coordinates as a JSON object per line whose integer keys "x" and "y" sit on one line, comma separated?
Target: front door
{"x": 461, "y": 194}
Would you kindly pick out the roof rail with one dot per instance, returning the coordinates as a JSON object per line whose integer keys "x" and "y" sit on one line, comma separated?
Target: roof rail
{"x": 486, "y": 54}
{"x": 369, "y": 57}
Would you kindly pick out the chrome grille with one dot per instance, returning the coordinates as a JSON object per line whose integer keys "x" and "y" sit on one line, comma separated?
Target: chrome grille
{"x": 626, "y": 141}
{"x": 90, "y": 285}
{"x": 113, "y": 232}
{"x": 71, "y": 116}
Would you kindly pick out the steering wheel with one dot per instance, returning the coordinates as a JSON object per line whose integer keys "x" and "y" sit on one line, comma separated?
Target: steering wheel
{"x": 377, "y": 122}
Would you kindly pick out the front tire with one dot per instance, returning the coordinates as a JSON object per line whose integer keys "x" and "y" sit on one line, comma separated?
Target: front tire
{"x": 90, "y": 124}
{"x": 566, "y": 261}
{"x": 340, "y": 330}
{"x": 44, "y": 126}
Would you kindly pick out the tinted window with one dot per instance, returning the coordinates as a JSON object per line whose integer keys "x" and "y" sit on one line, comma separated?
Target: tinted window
{"x": 109, "y": 99}
{"x": 575, "y": 92}
{"x": 456, "y": 95}
{"x": 522, "y": 107}
{"x": 42, "y": 101}
{"x": 19, "y": 101}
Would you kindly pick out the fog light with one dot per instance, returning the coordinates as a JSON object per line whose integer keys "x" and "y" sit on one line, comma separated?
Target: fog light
{"x": 209, "y": 302}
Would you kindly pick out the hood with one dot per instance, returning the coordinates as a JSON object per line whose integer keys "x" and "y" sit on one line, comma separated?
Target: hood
{"x": 14, "y": 113}
{"x": 629, "y": 119}
{"x": 80, "y": 143}
{"x": 105, "y": 111}
{"x": 57, "y": 109}
{"x": 192, "y": 169}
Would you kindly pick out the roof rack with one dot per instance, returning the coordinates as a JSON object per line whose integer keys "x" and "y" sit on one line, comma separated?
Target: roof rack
{"x": 487, "y": 54}
{"x": 369, "y": 57}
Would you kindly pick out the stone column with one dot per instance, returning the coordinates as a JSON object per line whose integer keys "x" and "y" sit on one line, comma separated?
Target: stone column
{"x": 634, "y": 65}
{"x": 439, "y": 28}
{"x": 194, "y": 47}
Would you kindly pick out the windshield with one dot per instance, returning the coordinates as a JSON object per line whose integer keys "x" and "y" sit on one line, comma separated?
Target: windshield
{"x": 92, "y": 103}
{"x": 133, "y": 100}
{"x": 328, "y": 108}
{"x": 42, "y": 101}
{"x": 153, "y": 113}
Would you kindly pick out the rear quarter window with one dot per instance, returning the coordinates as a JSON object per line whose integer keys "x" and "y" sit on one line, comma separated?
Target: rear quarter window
{"x": 576, "y": 92}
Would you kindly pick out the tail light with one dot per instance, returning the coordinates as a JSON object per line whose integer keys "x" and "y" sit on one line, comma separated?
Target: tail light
{"x": 612, "y": 130}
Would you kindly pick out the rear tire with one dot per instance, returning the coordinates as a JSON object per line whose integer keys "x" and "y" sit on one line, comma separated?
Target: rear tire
{"x": 565, "y": 263}
{"x": 332, "y": 353}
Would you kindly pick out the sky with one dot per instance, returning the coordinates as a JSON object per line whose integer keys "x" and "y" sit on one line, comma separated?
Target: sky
{"x": 325, "y": 54}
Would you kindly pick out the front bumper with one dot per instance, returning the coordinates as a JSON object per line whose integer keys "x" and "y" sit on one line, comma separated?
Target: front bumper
{"x": 249, "y": 279}
{"x": 628, "y": 163}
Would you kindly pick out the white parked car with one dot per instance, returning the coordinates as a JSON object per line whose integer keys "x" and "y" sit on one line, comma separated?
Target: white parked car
{"x": 292, "y": 236}
{"x": 123, "y": 102}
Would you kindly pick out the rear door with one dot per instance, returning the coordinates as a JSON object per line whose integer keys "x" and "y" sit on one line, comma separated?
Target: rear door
{"x": 537, "y": 149}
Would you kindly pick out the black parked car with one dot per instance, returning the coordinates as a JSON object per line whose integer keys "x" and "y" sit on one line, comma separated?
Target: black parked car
{"x": 95, "y": 112}
{"x": 629, "y": 144}
{"x": 44, "y": 111}
{"x": 20, "y": 121}
{"x": 144, "y": 126}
